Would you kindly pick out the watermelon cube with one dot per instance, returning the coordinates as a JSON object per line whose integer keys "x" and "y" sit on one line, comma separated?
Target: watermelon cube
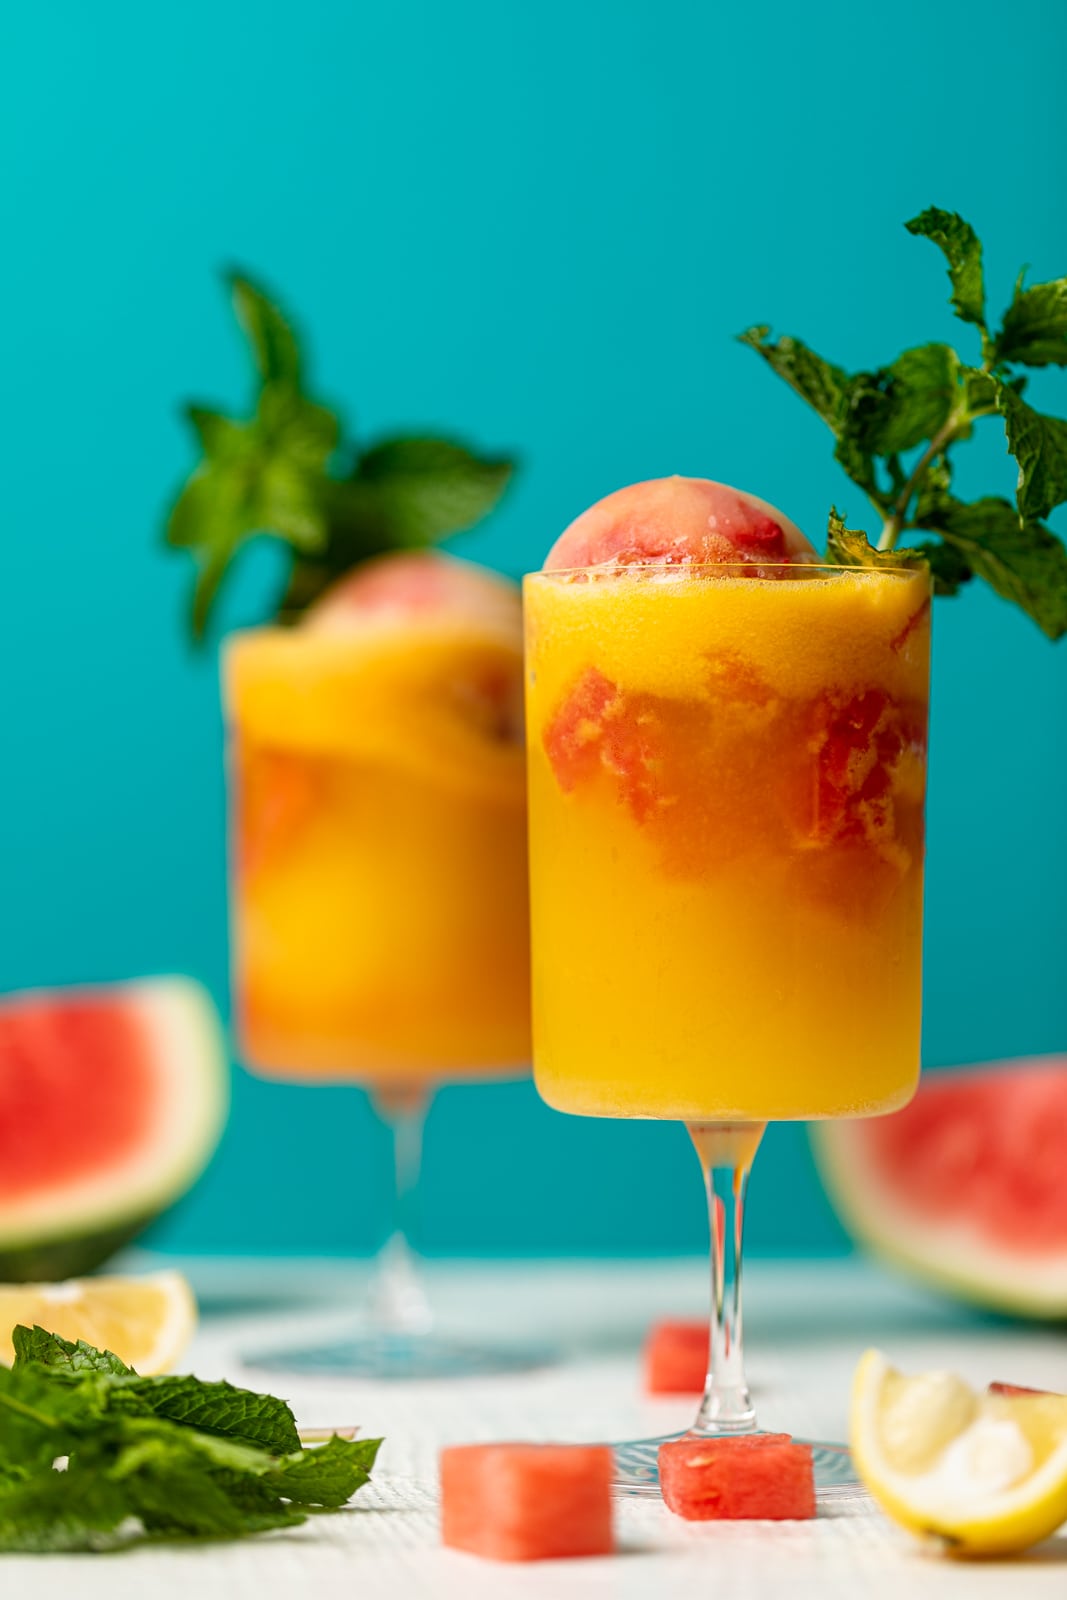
{"x": 527, "y": 1502}
{"x": 676, "y": 1358}
{"x": 765, "y": 1476}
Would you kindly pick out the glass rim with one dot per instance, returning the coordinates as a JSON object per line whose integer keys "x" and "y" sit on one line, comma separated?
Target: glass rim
{"x": 606, "y": 571}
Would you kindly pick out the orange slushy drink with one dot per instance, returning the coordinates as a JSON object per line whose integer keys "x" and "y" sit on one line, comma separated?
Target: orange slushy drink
{"x": 726, "y": 778}
{"x": 378, "y": 831}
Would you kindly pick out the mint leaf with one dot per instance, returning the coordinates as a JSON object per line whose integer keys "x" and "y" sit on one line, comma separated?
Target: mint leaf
{"x": 286, "y": 472}
{"x": 921, "y": 393}
{"x": 426, "y": 488}
{"x": 896, "y": 429}
{"x": 1035, "y": 326}
{"x": 270, "y": 333}
{"x": 49, "y": 1350}
{"x": 980, "y": 390}
{"x": 1039, "y": 445}
{"x": 173, "y": 1500}
{"x": 220, "y": 1408}
{"x": 959, "y": 242}
{"x": 853, "y": 407}
{"x": 934, "y": 489}
{"x": 259, "y": 476}
{"x": 819, "y": 382}
{"x": 213, "y": 566}
{"x": 218, "y": 434}
{"x": 295, "y": 428}
{"x": 948, "y": 567}
{"x": 38, "y": 1417}
{"x": 328, "y": 1475}
{"x": 859, "y": 430}
{"x": 180, "y": 1482}
{"x": 61, "y": 1511}
{"x": 1024, "y": 563}
{"x": 150, "y": 1457}
{"x": 404, "y": 492}
{"x": 260, "y": 1506}
{"x": 847, "y": 547}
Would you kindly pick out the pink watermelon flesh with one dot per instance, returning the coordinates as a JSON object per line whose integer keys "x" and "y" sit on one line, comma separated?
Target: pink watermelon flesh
{"x": 676, "y": 1358}
{"x": 111, "y": 1102}
{"x": 989, "y": 1147}
{"x": 527, "y": 1502}
{"x": 76, "y": 1089}
{"x": 757, "y": 1476}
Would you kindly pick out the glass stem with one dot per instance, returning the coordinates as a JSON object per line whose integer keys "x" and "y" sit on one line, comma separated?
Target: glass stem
{"x": 726, "y": 1151}
{"x": 398, "y": 1303}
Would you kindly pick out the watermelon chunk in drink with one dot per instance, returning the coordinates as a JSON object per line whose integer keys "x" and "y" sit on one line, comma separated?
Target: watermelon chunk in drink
{"x": 676, "y": 1357}
{"x": 765, "y": 1477}
{"x": 527, "y": 1502}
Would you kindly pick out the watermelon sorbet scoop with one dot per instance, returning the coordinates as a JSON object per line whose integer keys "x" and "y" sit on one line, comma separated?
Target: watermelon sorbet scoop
{"x": 679, "y": 522}
{"x": 409, "y": 587}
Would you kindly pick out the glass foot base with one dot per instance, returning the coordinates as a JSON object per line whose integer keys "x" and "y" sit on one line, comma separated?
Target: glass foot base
{"x": 397, "y": 1356}
{"x": 637, "y": 1469}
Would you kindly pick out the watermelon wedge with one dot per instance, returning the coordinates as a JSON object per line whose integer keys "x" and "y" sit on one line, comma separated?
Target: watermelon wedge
{"x": 967, "y": 1185}
{"x": 111, "y": 1103}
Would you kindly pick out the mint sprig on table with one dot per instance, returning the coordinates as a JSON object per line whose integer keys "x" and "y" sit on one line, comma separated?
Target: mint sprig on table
{"x": 897, "y": 428}
{"x": 150, "y": 1458}
{"x": 289, "y": 470}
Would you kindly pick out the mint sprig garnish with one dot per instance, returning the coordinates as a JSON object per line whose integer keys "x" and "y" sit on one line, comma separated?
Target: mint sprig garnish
{"x": 288, "y": 470}
{"x": 896, "y": 429}
{"x": 150, "y": 1458}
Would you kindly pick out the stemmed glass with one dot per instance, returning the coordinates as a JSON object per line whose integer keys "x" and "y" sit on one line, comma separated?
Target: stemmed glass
{"x": 379, "y": 902}
{"x": 726, "y": 783}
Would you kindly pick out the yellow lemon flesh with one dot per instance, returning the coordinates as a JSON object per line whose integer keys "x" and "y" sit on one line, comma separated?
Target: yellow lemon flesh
{"x": 983, "y": 1474}
{"x": 146, "y": 1321}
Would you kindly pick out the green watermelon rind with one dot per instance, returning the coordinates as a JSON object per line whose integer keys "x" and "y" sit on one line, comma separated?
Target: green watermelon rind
{"x": 952, "y": 1256}
{"x": 54, "y": 1260}
{"x": 69, "y": 1229}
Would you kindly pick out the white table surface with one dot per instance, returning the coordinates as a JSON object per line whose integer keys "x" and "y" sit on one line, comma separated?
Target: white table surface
{"x": 805, "y": 1327}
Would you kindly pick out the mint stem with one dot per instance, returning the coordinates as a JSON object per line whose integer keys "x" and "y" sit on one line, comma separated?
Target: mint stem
{"x": 27, "y": 1411}
{"x": 896, "y": 522}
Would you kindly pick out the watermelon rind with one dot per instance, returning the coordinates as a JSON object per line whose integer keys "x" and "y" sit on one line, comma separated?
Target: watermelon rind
{"x": 56, "y": 1260}
{"x": 68, "y": 1228}
{"x": 950, "y": 1254}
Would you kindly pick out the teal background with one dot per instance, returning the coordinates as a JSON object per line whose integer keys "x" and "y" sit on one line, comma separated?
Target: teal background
{"x": 538, "y": 226}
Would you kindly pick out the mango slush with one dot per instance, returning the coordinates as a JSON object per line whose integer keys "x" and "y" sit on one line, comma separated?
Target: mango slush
{"x": 379, "y": 901}
{"x": 726, "y": 780}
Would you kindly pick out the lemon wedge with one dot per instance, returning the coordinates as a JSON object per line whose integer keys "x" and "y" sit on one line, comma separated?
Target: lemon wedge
{"x": 146, "y": 1321}
{"x": 983, "y": 1474}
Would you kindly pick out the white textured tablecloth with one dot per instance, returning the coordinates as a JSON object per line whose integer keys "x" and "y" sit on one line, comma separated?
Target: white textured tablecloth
{"x": 805, "y": 1327}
